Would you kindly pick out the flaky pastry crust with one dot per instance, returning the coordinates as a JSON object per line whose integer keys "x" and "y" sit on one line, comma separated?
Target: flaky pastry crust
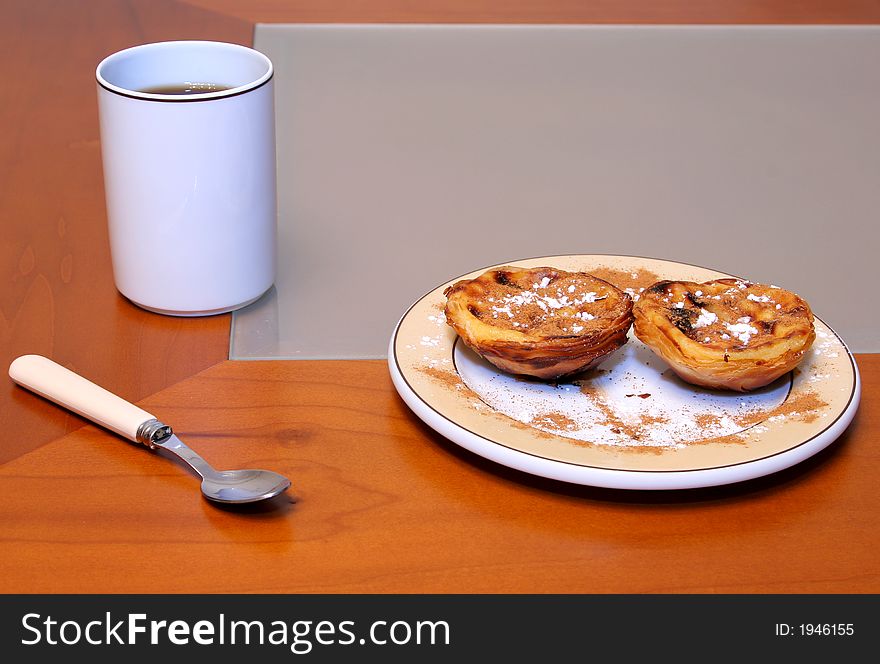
{"x": 725, "y": 334}
{"x": 539, "y": 322}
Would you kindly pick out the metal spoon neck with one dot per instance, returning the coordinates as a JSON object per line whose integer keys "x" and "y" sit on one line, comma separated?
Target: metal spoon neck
{"x": 155, "y": 434}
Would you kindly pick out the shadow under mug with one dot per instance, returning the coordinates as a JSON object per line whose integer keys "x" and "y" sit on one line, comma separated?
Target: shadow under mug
{"x": 189, "y": 174}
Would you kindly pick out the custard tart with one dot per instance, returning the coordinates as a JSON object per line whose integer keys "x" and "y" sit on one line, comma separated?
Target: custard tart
{"x": 539, "y": 322}
{"x": 726, "y": 334}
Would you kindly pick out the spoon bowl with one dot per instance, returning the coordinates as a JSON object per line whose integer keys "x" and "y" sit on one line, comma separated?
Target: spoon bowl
{"x": 244, "y": 486}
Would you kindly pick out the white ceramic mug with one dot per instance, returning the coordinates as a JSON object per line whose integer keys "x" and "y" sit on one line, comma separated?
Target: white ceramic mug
{"x": 189, "y": 178}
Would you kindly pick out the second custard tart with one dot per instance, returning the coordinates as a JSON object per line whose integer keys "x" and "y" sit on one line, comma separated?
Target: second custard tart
{"x": 725, "y": 334}
{"x": 539, "y": 322}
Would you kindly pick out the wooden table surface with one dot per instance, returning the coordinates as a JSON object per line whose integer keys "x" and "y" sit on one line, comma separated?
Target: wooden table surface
{"x": 380, "y": 503}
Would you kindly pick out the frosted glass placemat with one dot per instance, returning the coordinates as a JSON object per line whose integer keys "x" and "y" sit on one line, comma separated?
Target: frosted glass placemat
{"x": 410, "y": 154}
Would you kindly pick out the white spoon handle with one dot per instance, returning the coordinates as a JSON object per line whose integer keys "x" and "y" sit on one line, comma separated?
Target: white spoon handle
{"x": 48, "y": 379}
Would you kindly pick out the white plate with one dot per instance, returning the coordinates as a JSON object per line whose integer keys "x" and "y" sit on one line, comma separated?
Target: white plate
{"x": 631, "y": 424}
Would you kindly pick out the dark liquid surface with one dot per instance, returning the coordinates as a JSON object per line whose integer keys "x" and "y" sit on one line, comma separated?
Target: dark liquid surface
{"x": 186, "y": 88}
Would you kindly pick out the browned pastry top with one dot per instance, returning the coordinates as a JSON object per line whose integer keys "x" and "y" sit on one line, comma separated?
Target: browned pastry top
{"x": 541, "y": 302}
{"x": 726, "y": 333}
{"x": 729, "y": 314}
{"x": 541, "y": 322}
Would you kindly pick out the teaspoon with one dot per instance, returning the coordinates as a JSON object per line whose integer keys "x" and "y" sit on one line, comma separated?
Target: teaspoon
{"x": 66, "y": 388}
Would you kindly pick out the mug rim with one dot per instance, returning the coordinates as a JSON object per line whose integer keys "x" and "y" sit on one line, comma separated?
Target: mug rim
{"x": 182, "y": 98}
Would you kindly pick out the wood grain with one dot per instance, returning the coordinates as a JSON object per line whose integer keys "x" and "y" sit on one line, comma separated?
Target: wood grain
{"x": 548, "y": 11}
{"x": 380, "y": 503}
{"x": 57, "y": 296}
